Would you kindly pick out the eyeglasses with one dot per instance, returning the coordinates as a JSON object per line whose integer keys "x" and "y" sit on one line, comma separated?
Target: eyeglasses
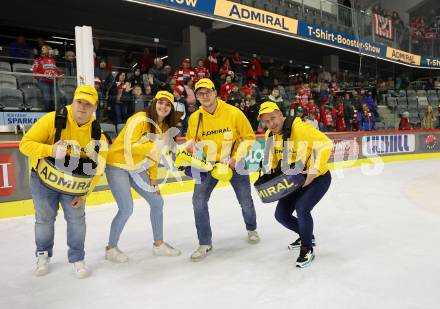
{"x": 201, "y": 94}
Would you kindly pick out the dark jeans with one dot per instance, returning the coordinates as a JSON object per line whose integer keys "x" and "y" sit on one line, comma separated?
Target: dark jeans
{"x": 120, "y": 112}
{"x": 202, "y": 192}
{"x": 302, "y": 200}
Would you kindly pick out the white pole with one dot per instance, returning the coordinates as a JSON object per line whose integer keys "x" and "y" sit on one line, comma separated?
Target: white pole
{"x": 84, "y": 55}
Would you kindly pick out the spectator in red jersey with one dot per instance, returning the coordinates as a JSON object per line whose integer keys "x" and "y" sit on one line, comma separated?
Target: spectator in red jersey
{"x": 312, "y": 109}
{"x": 340, "y": 119}
{"x": 45, "y": 64}
{"x": 256, "y": 60}
{"x": 212, "y": 63}
{"x": 328, "y": 118}
{"x": 252, "y": 74}
{"x": 226, "y": 89}
{"x": 404, "y": 123}
{"x": 201, "y": 71}
{"x": 225, "y": 69}
{"x": 146, "y": 61}
{"x": 184, "y": 71}
{"x": 247, "y": 90}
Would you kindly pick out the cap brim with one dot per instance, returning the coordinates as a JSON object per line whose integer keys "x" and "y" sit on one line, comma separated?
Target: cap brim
{"x": 85, "y": 97}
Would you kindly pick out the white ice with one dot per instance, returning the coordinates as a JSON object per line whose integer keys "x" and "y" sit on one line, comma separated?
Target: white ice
{"x": 378, "y": 247}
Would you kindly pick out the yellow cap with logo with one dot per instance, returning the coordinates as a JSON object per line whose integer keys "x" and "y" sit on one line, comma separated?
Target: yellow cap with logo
{"x": 267, "y": 107}
{"x": 204, "y": 83}
{"x": 163, "y": 94}
{"x": 86, "y": 92}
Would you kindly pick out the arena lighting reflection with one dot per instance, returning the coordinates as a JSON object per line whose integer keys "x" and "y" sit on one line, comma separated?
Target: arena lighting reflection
{"x": 211, "y": 17}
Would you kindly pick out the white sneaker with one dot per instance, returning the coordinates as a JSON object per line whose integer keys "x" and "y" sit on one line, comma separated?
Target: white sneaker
{"x": 201, "y": 253}
{"x": 42, "y": 267}
{"x": 165, "y": 250}
{"x": 115, "y": 255}
{"x": 253, "y": 237}
{"x": 80, "y": 270}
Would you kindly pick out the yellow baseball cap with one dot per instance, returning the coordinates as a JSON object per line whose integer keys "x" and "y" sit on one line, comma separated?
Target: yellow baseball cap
{"x": 86, "y": 92}
{"x": 164, "y": 94}
{"x": 267, "y": 107}
{"x": 204, "y": 83}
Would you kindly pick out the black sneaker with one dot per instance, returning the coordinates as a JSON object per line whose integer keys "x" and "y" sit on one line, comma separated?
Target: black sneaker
{"x": 305, "y": 258}
{"x": 297, "y": 244}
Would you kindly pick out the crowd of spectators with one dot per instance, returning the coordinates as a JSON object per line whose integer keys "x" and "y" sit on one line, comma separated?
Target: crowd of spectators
{"x": 317, "y": 96}
{"x": 329, "y": 101}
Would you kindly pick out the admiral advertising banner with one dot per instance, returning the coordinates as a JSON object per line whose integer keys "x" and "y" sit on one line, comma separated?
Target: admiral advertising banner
{"x": 402, "y": 56}
{"x": 340, "y": 39}
{"x": 257, "y": 17}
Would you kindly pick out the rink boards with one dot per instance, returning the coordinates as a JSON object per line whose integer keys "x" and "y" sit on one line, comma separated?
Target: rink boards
{"x": 351, "y": 150}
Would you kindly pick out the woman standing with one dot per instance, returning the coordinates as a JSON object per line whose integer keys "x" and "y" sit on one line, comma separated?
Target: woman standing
{"x": 116, "y": 93}
{"x": 429, "y": 119}
{"x": 132, "y": 163}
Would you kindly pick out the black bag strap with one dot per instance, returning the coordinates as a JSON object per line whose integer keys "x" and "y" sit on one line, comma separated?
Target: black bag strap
{"x": 199, "y": 121}
{"x": 286, "y": 131}
{"x": 60, "y": 122}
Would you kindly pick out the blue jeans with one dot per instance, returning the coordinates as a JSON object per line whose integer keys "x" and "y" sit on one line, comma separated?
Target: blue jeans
{"x": 302, "y": 200}
{"x": 120, "y": 181}
{"x": 46, "y": 203}
{"x": 120, "y": 112}
{"x": 202, "y": 192}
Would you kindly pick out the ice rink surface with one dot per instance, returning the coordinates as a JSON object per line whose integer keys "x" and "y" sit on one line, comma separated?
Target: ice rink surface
{"x": 378, "y": 247}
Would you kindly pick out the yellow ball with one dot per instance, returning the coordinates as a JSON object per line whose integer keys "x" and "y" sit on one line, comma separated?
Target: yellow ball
{"x": 222, "y": 172}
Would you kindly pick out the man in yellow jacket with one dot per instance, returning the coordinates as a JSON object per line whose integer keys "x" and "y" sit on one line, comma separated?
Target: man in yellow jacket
{"x": 224, "y": 135}
{"x": 306, "y": 147}
{"x": 78, "y": 140}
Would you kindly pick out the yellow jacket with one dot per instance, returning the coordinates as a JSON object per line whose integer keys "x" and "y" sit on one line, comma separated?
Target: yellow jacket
{"x": 305, "y": 144}
{"x": 132, "y": 148}
{"x": 222, "y": 133}
{"x": 38, "y": 141}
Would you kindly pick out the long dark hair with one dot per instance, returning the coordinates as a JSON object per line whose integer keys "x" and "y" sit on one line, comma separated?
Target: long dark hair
{"x": 169, "y": 120}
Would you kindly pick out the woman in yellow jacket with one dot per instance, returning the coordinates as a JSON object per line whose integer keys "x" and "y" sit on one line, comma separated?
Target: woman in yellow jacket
{"x": 312, "y": 147}
{"x": 132, "y": 163}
